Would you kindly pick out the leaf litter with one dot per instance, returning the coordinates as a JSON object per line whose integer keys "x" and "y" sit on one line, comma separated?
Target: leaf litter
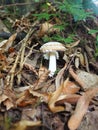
{"x": 29, "y": 98}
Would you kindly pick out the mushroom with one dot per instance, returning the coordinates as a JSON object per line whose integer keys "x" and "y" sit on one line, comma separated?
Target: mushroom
{"x": 50, "y": 52}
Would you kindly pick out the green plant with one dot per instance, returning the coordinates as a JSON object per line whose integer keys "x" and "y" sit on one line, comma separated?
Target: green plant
{"x": 93, "y": 31}
{"x": 67, "y": 40}
{"x": 58, "y": 37}
{"x": 44, "y": 15}
{"x": 75, "y": 9}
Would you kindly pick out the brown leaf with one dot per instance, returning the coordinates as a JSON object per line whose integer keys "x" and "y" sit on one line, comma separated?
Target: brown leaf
{"x": 8, "y": 43}
{"x": 10, "y": 94}
{"x": 54, "y": 97}
{"x": 76, "y": 78}
{"x": 59, "y": 78}
{"x": 46, "y": 28}
{"x": 26, "y": 99}
{"x": 7, "y": 99}
{"x": 42, "y": 70}
{"x": 77, "y": 62}
{"x": 2, "y": 57}
{"x": 29, "y": 97}
{"x": 70, "y": 98}
{"x": 29, "y": 113}
{"x": 23, "y": 124}
{"x": 74, "y": 44}
{"x": 82, "y": 59}
{"x": 8, "y": 104}
{"x": 3, "y": 61}
{"x": 30, "y": 67}
{"x": 3, "y": 98}
{"x": 81, "y": 108}
{"x": 70, "y": 88}
{"x": 43, "y": 96}
{"x": 11, "y": 50}
{"x": 43, "y": 75}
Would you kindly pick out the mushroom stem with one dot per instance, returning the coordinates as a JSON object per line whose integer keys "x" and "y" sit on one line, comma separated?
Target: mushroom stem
{"x": 52, "y": 63}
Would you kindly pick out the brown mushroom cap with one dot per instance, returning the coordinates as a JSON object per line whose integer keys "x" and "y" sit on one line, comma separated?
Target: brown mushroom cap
{"x": 52, "y": 47}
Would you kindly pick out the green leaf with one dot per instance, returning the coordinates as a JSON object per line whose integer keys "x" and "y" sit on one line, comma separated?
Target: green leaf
{"x": 59, "y": 38}
{"x": 93, "y": 31}
{"x": 46, "y": 38}
{"x": 60, "y": 27}
{"x": 44, "y": 16}
{"x": 75, "y": 9}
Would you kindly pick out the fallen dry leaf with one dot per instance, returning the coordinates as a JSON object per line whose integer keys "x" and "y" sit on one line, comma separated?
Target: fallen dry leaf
{"x": 23, "y": 124}
{"x": 30, "y": 67}
{"x": 29, "y": 113}
{"x": 7, "y": 101}
{"x": 26, "y": 99}
{"x": 70, "y": 98}
{"x": 43, "y": 75}
{"x": 77, "y": 62}
{"x": 22, "y": 24}
{"x": 2, "y": 43}
{"x": 8, "y": 98}
{"x": 3, "y": 97}
{"x": 2, "y": 57}
{"x": 42, "y": 70}
{"x": 74, "y": 44}
{"x": 81, "y": 108}
{"x": 30, "y": 97}
{"x": 82, "y": 59}
{"x": 70, "y": 88}
{"x": 3, "y": 61}
{"x": 8, "y": 104}
{"x": 53, "y": 99}
{"x": 46, "y": 28}
{"x": 6, "y": 44}
{"x": 76, "y": 77}
{"x": 44, "y": 96}
{"x": 59, "y": 78}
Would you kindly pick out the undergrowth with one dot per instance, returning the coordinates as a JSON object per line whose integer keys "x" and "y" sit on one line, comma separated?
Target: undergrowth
{"x": 66, "y": 15}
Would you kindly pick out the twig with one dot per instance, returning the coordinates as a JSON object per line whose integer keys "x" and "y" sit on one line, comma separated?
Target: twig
{"x": 11, "y": 75}
{"x": 12, "y": 71}
{"x": 23, "y": 47}
{"x": 22, "y": 62}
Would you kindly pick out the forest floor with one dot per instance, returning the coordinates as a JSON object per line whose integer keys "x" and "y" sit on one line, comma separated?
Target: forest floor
{"x": 29, "y": 98}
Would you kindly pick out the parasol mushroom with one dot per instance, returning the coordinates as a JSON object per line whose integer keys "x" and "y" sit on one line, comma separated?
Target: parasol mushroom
{"x": 50, "y": 50}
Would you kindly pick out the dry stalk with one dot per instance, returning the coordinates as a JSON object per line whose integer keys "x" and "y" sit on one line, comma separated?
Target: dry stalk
{"x": 20, "y": 56}
{"x": 22, "y": 61}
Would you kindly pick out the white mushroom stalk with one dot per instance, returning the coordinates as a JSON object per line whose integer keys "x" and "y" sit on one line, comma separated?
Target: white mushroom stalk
{"x": 50, "y": 49}
{"x": 52, "y": 63}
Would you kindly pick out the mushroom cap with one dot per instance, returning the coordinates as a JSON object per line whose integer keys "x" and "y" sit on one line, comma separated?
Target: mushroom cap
{"x": 52, "y": 47}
